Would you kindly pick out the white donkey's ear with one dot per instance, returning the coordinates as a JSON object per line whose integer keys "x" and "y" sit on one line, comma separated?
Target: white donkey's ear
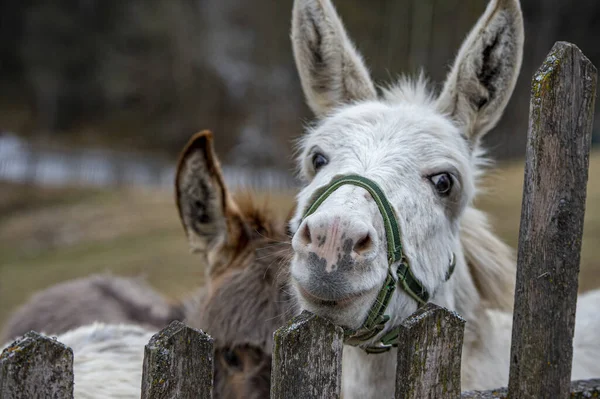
{"x": 484, "y": 74}
{"x": 331, "y": 70}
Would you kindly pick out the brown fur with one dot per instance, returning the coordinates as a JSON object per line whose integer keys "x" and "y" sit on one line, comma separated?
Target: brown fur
{"x": 247, "y": 250}
{"x": 245, "y": 299}
{"x": 241, "y": 307}
{"x": 245, "y": 304}
{"x": 105, "y": 298}
{"x": 210, "y": 217}
{"x": 249, "y": 301}
{"x": 246, "y": 296}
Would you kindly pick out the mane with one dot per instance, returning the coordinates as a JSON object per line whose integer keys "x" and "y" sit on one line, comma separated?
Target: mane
{"x": 490, "y": 261}
{"x": 410, "y": 90}
{"x": 260, "y": 277}
{"x": 418, "y": 90}
{"x": 259, "y": 217}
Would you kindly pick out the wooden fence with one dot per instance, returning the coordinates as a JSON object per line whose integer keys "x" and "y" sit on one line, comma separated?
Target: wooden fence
{"x": 179, "y": 360}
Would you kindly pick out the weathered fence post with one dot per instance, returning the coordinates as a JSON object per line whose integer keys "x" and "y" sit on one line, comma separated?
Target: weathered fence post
{"x": 583, "y": 389}
{"x": 430, "y": 353}
{"x": 36, "y": 366}
{"x": 556, "y": 174}
{"x": 307, "y": 359}
{"x": 178, "y": 363}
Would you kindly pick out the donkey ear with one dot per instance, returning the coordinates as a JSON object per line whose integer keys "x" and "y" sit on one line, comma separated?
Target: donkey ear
{"x": 486, "y": 69}
{"x": 331, "y": 70}
{"x": 209, "y": 216}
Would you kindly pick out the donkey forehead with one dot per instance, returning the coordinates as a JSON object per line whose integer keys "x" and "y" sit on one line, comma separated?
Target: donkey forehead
{"x": 409, "y": 132}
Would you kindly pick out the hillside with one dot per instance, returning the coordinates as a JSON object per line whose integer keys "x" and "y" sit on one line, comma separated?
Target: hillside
{"x": 50, "y": 235}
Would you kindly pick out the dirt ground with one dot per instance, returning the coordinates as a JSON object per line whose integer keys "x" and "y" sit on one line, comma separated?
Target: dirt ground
{"x": 52, "y": 235}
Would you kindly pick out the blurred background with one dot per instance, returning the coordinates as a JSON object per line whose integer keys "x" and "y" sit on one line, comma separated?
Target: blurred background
{"x": 99, "y": 96}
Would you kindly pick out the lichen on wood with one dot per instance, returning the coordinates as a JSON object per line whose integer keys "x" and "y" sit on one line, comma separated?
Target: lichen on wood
{"x": 554, "y": 192}
{"x": 36, "y": 366}
{"x": 582, "y": 389}
{"x": 178, "y": 363}
{"x": 429, "y": 358}
{"x": 307, "y": 359}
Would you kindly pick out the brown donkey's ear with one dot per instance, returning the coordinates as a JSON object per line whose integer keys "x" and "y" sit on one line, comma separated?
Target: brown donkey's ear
{"x": 209, "y": 216}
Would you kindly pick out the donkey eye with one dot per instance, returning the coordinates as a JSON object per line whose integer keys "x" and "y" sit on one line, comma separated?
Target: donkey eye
{"x": 443, "y": 183}
{"x": 232, "y": 359}
{"x": 318, "y": 161}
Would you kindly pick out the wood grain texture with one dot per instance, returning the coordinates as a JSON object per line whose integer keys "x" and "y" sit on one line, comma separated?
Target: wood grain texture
{"x": 307, "y": 359}
{"x": 36, "y": 366}
{"x": 491, "y": 394}
{"x": 579, "y": 390}
{"x": 556, "y": 174}
{"x": 178, "y": 363}
{"x": 430, "y": 353}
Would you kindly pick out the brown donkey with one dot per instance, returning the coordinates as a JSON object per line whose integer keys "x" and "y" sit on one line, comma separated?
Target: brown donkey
{"x": 244, "y": 246}
{"x": 102, "y": 297}
{"x": 247, "y": 251}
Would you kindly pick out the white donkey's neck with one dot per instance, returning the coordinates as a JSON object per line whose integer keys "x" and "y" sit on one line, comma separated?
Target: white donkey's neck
{"x": 483, "y": 278}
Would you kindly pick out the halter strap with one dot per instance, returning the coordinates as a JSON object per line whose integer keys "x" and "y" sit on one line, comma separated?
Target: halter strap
{"x": 376, "y": 318}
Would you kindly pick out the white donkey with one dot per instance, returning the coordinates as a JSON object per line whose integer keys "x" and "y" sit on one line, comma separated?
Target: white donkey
{"x": 410, "y": 158}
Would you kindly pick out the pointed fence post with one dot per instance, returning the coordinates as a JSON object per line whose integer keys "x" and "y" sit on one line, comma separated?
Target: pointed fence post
{"x": 307, "y": 359}
{"x": 36, "y": 366}
{"x": 178, "y": 363}
{"x": 429, "y": 354}
{"x": 556, "y": 173}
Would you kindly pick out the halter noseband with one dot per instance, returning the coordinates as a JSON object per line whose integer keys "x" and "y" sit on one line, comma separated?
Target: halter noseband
{"x": 376, "y": 319}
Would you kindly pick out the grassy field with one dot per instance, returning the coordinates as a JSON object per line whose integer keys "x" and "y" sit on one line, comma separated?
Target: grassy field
{"x": 51, "y": 235}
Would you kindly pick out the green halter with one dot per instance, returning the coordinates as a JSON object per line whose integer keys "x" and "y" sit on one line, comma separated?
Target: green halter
{"x": 376, "y": 319}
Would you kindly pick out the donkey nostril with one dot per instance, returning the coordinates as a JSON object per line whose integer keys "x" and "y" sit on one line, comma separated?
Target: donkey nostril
{"x": 363, "y": 245}
{"x": 305, "y": 236}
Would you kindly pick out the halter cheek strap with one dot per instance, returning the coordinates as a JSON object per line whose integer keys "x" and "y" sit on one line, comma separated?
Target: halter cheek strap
{"x": 376, "y": 318}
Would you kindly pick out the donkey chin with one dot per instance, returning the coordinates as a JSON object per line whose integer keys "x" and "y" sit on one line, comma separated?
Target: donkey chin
{"x": 342, "y": 297}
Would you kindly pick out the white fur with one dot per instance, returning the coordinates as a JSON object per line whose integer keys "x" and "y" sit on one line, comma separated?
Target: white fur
{"x": 107, "y": 360}
{"x": 400, "y": 141}
{"x": 350, "y": 78}
{"x": 488, "y": 366}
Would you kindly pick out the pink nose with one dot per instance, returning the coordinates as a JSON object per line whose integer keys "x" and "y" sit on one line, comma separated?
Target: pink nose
{"x": 329, "y": 237}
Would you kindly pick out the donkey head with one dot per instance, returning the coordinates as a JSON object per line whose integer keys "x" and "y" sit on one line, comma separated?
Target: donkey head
{"x": 245, "y": 300}
{"x": 422, "y": 151}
